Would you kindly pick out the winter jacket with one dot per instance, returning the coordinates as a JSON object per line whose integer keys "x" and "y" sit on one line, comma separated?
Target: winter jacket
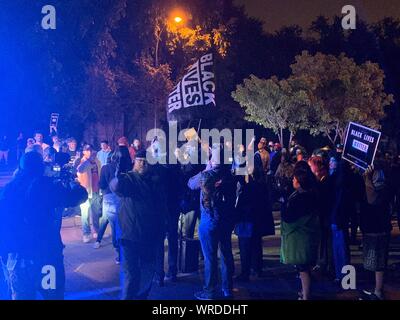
{"x": 143, "y": 208}
{"x": 254, "y": 210}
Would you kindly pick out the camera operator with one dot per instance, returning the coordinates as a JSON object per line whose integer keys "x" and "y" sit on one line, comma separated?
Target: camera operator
{"x": 30, "y": 233}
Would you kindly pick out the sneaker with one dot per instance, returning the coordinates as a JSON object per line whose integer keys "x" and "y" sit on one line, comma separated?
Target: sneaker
{"x": 172, "y": 278}
{"x": 96, "y": 245}
{"x": 202, "y": 295}
{"x": 370, "y": 295}
{"x": 86, "y": 239}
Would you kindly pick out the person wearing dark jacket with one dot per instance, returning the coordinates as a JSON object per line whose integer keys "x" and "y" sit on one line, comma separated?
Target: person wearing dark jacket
{"x": 111, "y": 204}
{"x": 347, "y": 193}
{"x": 30, "y": 239}
{"x": 174, "y": 185}
{"x": 217, "y": 207}
{"x": 190, "y": 202}
{"x": 376, "y": 227}
{"x": 255, "y": 221}
{"x": 300, "y": 227}
{"x": 142, "y": 221}
{"x": 284, "y": 179}
{"x": 325, "y": 197}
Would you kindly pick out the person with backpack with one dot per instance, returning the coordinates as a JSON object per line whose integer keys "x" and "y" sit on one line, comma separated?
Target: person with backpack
{"x": 217, "y": 200}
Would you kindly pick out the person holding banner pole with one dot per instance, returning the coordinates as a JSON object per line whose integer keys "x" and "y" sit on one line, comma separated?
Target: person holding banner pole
{"x": 376, "y": 228}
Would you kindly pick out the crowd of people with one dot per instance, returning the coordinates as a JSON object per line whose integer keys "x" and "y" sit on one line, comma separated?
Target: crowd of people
{"x": 324, "y": 201}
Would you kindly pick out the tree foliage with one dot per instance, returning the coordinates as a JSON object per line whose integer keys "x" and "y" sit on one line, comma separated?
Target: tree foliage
{"x": 341, "y": 91}
{"x": 274, "y": 104}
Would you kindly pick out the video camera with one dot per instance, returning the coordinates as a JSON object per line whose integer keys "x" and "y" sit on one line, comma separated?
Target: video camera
{"x": 65, "y": 174}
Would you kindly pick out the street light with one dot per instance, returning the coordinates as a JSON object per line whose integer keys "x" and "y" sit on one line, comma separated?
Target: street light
{"x": 178, "y": 19}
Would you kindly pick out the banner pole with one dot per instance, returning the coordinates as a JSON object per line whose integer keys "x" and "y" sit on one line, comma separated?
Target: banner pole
{"x": 198, "y": 128}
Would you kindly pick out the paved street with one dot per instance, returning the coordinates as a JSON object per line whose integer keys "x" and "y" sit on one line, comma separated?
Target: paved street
{"x": 5, "y": 176}
{"x": 92, "y": 274}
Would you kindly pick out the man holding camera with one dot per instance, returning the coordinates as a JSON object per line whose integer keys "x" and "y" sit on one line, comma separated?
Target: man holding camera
{"x": 30, "y": 240}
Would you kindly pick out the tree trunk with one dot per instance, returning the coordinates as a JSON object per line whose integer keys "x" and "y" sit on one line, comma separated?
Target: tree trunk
{"x": 290, "y": 139}
{"x": 330, "y": 138}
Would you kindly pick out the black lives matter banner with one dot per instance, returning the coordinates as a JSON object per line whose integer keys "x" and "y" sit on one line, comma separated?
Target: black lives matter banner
{"x": 194, "y": 95}
{"x": 361, "y": 145}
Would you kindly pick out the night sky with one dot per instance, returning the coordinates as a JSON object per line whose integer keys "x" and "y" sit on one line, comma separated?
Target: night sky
{"x": 277, "y": 13}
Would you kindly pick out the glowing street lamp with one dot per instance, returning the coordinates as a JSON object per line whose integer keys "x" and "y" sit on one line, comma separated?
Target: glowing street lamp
{"x": 178, "y": 19}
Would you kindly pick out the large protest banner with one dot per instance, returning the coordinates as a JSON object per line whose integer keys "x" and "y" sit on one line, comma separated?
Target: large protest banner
{"x": 194, "y": 96}
{"x": 360, "y": 145}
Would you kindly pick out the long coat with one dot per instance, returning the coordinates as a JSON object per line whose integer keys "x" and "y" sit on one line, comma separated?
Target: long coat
{"x": 300, "y": 230}
{"x": 254, "y": 210}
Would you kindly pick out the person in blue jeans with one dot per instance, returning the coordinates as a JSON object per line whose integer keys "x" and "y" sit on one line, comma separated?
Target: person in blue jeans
{"x": 217, "y": 199}
{"x": 111, "y": 204}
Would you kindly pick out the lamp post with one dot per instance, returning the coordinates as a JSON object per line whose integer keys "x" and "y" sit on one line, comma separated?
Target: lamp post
{"x": 176, "y": 18}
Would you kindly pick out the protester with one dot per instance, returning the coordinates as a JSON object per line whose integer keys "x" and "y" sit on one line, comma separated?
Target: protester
{"x": 333, "y": 240}
{"x": 255, "y": 221}
{"x": 174, "y": 187}
{"x": 300, "y": 227}
{"x": 56, "y": 142}
{"x": 20, "y": 144}
{"x": 284, "y": 179}
{"x": 137, "y": 146}
{"x": 88, "y": 171}
{"x": 72, "y": 150}
{"x": 142, "y": 221}
{"x": 261, "y": 157}
{"x": 276, "y": 157}
{"x": 333, "y": 165}
{"x": 62, "y": 157}
{"x": 191, "y": 198}
{"x": 271, "y": 147}
{"x": 111, "y": 204}
{"x": 217, "y": 200}
{"x": 30, "y": 142}
{"x": 29, "y": 233}
{"x": 123, "y": 142}
{"x": 39, "y": 141}
{"x": 299, "y": 155}
{"x": 4, "y": 149}
{"x": 104, "y": 152}
{"x": 376, "y": 227}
